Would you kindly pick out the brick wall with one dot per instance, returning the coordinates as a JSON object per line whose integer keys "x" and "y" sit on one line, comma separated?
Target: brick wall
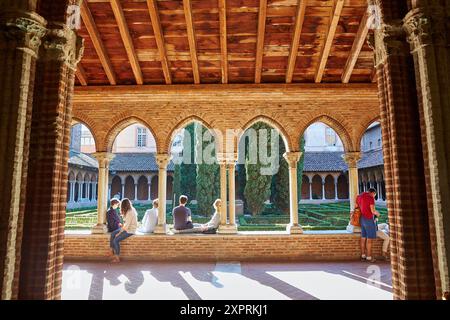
{"x": 216, "y": 247}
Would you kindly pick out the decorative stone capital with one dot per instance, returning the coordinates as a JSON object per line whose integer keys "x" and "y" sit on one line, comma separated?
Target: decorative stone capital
{"x": 227, "y": 158}
{"x": 27, "y": 29}
{"x": 64, "y": 45}
{"x": 390, "y": 40}
{"x": 425, "y": 27}
{"x": 103, "y": 158}
{"x": 163, "y": 160}
{"x": 352, "y": 158}
{"x": 292, "y": 158}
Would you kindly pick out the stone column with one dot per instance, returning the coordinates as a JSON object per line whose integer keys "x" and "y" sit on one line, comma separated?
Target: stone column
{"x": 163, "y": 161}
{"x": 104, "y": 159}
{"x": 352, "y": 158}
{"x": 292, "y": 159}
{"x": 223, "y": 194}
{"x": 323, "y": 188}
{"x": 149, "y": 179}
{"x": 72, "y": 191}
{"x": 80, "y": 191}
{"x": 336, "y": 195}
{"x": 135, "y": 190}
{"x": 310, "y": 188}
{"x": 428, "y": 35}
{"x": 231, "y": 168}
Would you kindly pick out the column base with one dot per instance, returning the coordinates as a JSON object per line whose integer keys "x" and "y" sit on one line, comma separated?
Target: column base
{"x": 294, "y": 229}
{"x": 160, "y": 229}
{"x": 227, "y": 229}
{"x": 99, "y": 228}
{"x": 352, "y": 229}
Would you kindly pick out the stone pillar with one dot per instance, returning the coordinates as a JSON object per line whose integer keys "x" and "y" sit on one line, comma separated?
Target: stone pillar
{"x": 352, "y": 158}
{"x": 310, "y": 188}
{"x": 292, "y": 159}
{"x": 163, "y": 161}
{"x": 231, "y": 168}
{"x": 43, "y": 246}
{"x": 403, "y": 158}
{"x": 104, "y": 159}
{"x": 149, "y": 179}
{"x": 336, "y": 195}
{"x": 428, "y": 35}
{"x": 80, "y": 191}
{"x": 135, "y": 190}
{"x": 122, "y": 195}
{"x": 223, "y": 194}
{"x": 72, "y": 191}
{"x": 323, "y": 188}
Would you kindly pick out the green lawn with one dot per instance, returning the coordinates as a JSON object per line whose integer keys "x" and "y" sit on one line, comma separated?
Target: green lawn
{"x": 330, "y": 216}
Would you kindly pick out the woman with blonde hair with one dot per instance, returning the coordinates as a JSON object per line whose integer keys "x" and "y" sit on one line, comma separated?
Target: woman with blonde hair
{"x": 128, "y": 229}
{"x": 213, "y": 224}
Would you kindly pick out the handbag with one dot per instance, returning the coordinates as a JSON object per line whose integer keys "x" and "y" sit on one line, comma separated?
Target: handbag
{"x": 355, "y": 217}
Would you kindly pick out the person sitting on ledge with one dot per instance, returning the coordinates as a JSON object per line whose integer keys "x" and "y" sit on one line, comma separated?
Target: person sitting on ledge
{"x": 150, "y": 219}
{"x": 182, "y": 216}
{"x": 129, "y": 228}
{"x": 112, "y": 217}
{"x": 210, "y": 227}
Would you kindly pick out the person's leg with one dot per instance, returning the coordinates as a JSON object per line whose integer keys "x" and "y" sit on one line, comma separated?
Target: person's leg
{"x": 371, "y": 230}
{"x": 111, "y": 240}
{"x": 118, "y": 239}
{"x": 386, "y": 239}
{"x": 363, "y": 241}
{"x": 369, "y": 248}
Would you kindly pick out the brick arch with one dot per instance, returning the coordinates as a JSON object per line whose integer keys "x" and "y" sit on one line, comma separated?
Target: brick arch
{"x": 183, "y": 124}
{"x": 271, "y": 122}
{"x": 364, "y": 127}
{"x": 71, "y": 176}
{"x": 81, "y": 119}
{"x": 119, "y": 124}
{"x": 334, "y": 124}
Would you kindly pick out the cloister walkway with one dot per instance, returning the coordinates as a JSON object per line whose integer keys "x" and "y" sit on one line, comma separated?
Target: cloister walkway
{"x": 226, "y": 280}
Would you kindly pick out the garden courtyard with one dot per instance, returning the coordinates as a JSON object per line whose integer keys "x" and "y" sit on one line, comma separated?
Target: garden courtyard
{"x": 325, "y": 216}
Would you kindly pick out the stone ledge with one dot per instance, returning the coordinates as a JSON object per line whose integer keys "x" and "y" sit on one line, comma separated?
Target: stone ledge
{"x": 214, "y": 247}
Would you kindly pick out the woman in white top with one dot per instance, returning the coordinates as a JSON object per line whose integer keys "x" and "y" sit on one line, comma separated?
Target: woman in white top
{"x": 128, "y": 229}
{"x": 212, "y": 224}
{"x": 150, "y": 219}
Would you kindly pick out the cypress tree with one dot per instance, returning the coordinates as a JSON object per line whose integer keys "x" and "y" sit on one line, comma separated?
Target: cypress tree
{"x": 280, "y": 182}
{"x": 188, "y": 171}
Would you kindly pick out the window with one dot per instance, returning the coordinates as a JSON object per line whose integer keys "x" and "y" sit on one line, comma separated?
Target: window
{"x": 141, "y": 137}
{"x": 330, "y": 137}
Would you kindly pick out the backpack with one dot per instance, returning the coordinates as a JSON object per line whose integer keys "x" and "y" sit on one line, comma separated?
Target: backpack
{"x": 355, "y": 217}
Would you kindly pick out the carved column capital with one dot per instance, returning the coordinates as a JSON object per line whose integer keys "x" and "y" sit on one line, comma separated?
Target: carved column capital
{"x": 63, "y": 44}
{"x": 390, "y": 40}
{"x": 27, "y": 28}
{"x": 352, "y": 158}
{"x": 292, "y": 158}
{"x": 163, "y": 160}
{"x": 103, "y": 158}
{"x": 425, "y": 27}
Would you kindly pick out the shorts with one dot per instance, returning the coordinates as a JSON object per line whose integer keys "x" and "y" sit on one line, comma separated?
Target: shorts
{"x": 368, "y": 228}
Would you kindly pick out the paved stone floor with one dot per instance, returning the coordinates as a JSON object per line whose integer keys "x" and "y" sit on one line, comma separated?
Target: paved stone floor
{"x": 227, "y": 280}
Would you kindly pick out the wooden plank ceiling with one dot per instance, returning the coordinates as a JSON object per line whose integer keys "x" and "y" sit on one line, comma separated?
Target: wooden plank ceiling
{"x": 134, "y": 42}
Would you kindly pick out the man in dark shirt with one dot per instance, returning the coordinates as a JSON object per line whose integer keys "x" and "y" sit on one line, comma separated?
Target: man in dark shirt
{"x": 182, "y": 218}
{"x": 112, "y": 217}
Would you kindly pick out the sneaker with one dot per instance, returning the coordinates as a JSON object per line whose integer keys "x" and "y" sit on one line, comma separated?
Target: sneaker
{"x": 371, "y": 260}
{"x": 363, "y": 259}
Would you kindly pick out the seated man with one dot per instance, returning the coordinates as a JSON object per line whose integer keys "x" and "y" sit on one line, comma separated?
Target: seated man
{"x": 210, "y": 227}
{"x": 182, "y": 216}
{"x": 383, "y": 233}
{"x": 112, "y": 217}
{"x": 150, "y": 219}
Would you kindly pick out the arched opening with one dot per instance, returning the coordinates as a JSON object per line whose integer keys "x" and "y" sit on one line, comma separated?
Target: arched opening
{"x": 155, "y": 187}
{"x": 129, "y": 188}
{"x": 342, "y": 186}
{"x": 169, "y": 192}
{"x": 116, "y": 187}
{"x": 306, "y": 188}
{"x": 330, "y": 192}
{"x": 142, "y": 188}
{"x": 317, "y": 188}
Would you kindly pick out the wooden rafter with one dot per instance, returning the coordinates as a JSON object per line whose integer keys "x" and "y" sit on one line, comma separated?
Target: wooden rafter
{"x": 81, "y": 75}
{"x": 191, "y": 39}
{"x": 223, "y": 39}
{"x": 357, "y": 47}
{"x": 260, "y": 41}
{"x": 89, "y": 22}
{"x": 156, "y": 24}
{"x": 373, "y": 77}
{"x": 127, "y": 40}
{"x": 334, "y": 20}
{"x": 296, "y": 40}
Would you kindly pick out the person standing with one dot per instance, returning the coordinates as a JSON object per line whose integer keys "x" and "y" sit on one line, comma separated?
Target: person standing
{"x": 112, "y": 217}
{"x": 182, "y": 216}
{"x": 127, "y": 230}
{"x": 366, "y": 203}
{"x": 150, "y": 219}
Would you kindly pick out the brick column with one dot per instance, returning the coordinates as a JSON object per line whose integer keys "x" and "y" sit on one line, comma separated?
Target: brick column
{"x": 352, "y": 158}
{"x": 20, "y": 38}
{"x": 103, "y": 159}
{"x": 429, "y": 42}
{"x": 411, "y": 259}
{"x": 43, "y": 236}
{"x": 163, "y": 161}
{"x": 223, "y": 194}
{"x": 292, "y": 159}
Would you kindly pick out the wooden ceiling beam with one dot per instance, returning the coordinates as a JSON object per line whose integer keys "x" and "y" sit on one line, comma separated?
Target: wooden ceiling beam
{"x": 81, "y": 75}
{"x": 127, "y": 40}
{"x": 89, "y": 22}
{"x": 260, "y": 41}
{"x": 156, "y": 24}
{"x": 334, "y": 20}
{"x": 299, "y": 19}
{"x": 223, "y": 40}
{"x": 191, "y": 38}
{"x": 360, "y": 39}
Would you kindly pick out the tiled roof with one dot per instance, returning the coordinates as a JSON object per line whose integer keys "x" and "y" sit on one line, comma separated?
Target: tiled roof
{"x": 333, "y": 161}
{"x": 82, "y": 159}
{"x": 136, "y": 162}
